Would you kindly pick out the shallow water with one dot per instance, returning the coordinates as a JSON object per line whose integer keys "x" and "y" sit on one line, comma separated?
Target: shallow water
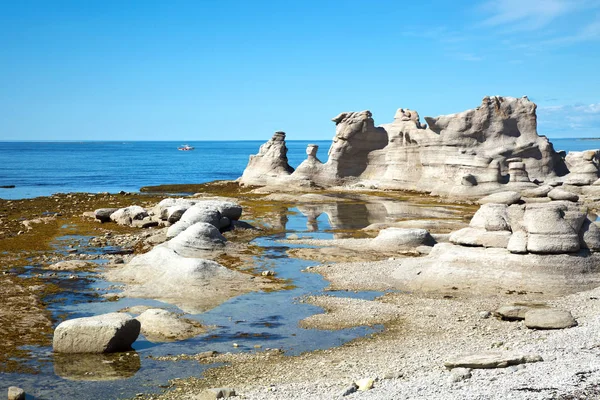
{"x": 269, "y": 319}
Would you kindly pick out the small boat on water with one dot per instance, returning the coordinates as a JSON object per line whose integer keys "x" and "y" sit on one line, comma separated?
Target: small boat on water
{"x": 185, "y": 147}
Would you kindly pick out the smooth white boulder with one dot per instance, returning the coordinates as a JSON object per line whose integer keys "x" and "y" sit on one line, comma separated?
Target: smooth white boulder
{"x": 200, "y": 236}
{"x": 107, "y": 333}
{"x": 124, "y": 216}
{"x": 393, "y": 238}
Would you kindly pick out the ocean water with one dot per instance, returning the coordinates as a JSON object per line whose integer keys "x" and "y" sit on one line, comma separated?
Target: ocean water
{"x": 44, "y": 168}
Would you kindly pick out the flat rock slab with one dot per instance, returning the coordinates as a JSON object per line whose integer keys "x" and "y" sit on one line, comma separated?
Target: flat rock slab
{"x": 548, "y": 318}
{"x": 516, "y": 311}
{"x": 72, "y": 265}
{"x": 490, "y": 360}
{"x": 106, "y": 333}
{"x": 507, "y": 198}
{"x": 559, "y": 194}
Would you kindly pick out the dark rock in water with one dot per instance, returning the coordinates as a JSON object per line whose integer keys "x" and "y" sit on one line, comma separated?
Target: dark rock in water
{"x": 7, "y": 187}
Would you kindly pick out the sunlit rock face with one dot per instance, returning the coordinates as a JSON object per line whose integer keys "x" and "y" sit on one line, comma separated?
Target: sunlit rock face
{"x": 479, "y": 151}
{"x": 269, "y": 164}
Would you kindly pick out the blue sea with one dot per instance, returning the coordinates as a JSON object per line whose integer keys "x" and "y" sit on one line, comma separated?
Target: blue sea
{"x": 44, "y": 168}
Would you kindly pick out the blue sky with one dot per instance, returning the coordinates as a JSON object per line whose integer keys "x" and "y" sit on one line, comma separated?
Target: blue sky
{"x": 240, "y": 70}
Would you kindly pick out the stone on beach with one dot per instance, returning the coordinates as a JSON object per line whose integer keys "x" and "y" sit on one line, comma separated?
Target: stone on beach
{"x": 549, "y": 318}
{"x": 490, "y": 360}
{"x": 105, "y": 333}
{"x": 124, "y": 216}
{"x": 103, "y": 214}
{"x": 516, "y": 311}
{"x": 71, "y": 265}
{"x": 393, "y": 238}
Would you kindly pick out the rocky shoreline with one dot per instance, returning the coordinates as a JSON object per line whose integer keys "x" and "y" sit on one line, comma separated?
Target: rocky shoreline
{"x": 489, "y": 291}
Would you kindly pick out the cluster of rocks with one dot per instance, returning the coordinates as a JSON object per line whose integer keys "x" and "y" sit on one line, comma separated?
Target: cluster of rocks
{"x": 479, "y": 151}
{"x": 171, "y": 211}
{"x": 536, "y": 315}
{"x": 176, "y": 271}
{"x": 554, "y": 227}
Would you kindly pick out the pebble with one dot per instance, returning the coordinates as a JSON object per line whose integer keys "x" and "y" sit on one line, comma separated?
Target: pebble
{"x": 364, "y": 384}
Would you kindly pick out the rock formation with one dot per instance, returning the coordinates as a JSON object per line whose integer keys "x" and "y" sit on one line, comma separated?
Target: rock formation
{"x": 270, "y": 162}
{"x": 494, "y": 147}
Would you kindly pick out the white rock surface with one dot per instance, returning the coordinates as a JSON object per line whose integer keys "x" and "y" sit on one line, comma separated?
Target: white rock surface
{"x": 107, "y": 333}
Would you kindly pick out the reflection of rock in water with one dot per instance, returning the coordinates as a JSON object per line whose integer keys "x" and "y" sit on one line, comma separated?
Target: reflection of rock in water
{"x": 276, "y": 219}
{"x": 96, "y": 367}
{"x": 346, "y": 215}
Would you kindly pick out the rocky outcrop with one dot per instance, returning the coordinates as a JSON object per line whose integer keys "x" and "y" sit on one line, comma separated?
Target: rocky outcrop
{"x": 192, "y": 284}
{"x": 107, "y": 333}
{"x": 494, "y": 147}
{"x": 269, "y": 164}
{"x": 583, "y": 167}
{"x": 555, "y": 227}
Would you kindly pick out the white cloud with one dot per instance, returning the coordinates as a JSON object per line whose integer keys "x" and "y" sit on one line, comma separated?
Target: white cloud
{"x": 527, "y": 14}
{"x": 589, "y": 109}
{"x": 569, "y": 120}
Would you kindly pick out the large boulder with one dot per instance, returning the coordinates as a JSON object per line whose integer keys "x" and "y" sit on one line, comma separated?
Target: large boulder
{"x": 391, "y": 239}
{"x": 103, "y": 214}
{"x": 549, "y": 318}
{"x": 107, "y": 333}
{"x": 125, "y": 216}
{"x": 199, "y": 237}
{"x": 215, "y": 212}
{"x": 549, "y": 231}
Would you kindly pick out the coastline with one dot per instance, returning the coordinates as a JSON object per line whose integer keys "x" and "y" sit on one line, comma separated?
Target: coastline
{"x": 420, "y": 330}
